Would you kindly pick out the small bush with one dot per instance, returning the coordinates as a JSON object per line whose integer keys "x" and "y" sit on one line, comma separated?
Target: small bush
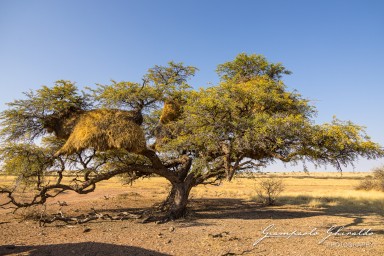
{"x": 366, "y": 184}
{"x": 128, "y": 195}
{"x": 378, "y": 175}
{"x": 269, "y": 189}
{"x": 315, "y": 203}
{"x": 375, "y": 181}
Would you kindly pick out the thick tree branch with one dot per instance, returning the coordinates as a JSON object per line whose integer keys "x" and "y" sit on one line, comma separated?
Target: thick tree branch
{"x": 158, "y": 167}
{"x": 84, "y": 187}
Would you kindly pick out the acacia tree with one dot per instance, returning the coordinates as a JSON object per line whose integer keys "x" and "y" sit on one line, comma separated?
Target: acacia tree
{"x": 248, "y": 120}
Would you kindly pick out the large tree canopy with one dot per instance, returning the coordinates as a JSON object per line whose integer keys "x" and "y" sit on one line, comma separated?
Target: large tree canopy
{"x": 192, "y": 137}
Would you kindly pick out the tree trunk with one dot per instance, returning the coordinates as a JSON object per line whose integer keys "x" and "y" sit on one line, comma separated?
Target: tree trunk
{"x": 165, "y": 206}
{"x": 180, "y": 199}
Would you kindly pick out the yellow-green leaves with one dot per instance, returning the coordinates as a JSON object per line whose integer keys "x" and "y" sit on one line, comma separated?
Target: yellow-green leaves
{"x": 161, "y": 83}
{"x": 126, "y": 95}
{"x": 60, "y": 98}
{"x": 259, "y": 119}
{"x": 339, "y": 143}
{"x": 26, "y": 118}
{"x": 27, "y": 161}
{"x": 253, "y": 115}
{"x": 247, "y": 67}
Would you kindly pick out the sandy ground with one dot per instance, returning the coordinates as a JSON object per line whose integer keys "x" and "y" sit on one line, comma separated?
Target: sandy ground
{"x": 217, "y": 224}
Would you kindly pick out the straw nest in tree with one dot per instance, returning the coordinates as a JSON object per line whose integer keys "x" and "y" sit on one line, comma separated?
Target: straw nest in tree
{"x": 62, "y": 126}
{"x": 105, "y": 129}
{"x": 171, "y": 111}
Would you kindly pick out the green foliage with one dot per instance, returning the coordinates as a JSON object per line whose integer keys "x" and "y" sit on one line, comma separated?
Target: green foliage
{"x": 126, "y": 95}
{"x": 339, "y": 143}
{"x": 27, "y": 118}
{"x": 159, "y": 84}
{"x": 27, "y": 161}
{"x": 246, "y": 67}
{"x": 61, "y": 98}
{"x": 172, "y": 77}
{"x": 257, "y": 119}
{"x": 254, "y": 117}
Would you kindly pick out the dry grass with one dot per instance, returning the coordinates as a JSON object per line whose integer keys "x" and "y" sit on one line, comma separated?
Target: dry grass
{"x": 376, "y": 181}
{"x": 305, "y": 192}
{"x": 317, "y": 191}
{"x": 332, "y": 193}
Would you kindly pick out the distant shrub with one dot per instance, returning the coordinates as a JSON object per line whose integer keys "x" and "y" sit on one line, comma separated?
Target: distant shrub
{"x": 269, "y": 189}
{"x": 315, "y": 203}
{"x": 375, "y": 181}
{"x": 128, "y": 195}
{"x": 366, "y": 184}
{"x": 378, "y": 175}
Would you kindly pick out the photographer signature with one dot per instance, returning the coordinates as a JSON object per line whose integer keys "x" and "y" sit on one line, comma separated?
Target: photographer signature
{"x": 334, "y": 231}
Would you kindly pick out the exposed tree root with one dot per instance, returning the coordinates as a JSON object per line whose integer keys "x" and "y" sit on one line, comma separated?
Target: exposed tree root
{"x": 158, "y": 219}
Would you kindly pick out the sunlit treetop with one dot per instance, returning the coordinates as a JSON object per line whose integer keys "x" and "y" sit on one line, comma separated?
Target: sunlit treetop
{"x": 245, "y": 67}
{"x": 27, "y": 118}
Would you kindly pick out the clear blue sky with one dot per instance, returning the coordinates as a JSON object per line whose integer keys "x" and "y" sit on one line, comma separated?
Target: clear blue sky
{"x": 334, "y": 48}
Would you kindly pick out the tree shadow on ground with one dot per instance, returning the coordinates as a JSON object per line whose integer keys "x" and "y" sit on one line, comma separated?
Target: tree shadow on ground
{"x": 336, "y": 205}
{"x": 287, "y": 207}
{"x": 290, "y": 208}
{"x": 242, "y": 209}
{"x": 80, "y": 249}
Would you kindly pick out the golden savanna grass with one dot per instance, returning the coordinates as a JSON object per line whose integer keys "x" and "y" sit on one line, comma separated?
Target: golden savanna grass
{"x": 328, "y": 191}
{"x": 316, "y": 191}
{"x": 105, "y": 129}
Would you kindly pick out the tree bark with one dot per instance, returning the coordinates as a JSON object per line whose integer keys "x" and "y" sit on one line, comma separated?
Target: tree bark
{"x": 167, "y": 203}
{"x": 180, "y": 199}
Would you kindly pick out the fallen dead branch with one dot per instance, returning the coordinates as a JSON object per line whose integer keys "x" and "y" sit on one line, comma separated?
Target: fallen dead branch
{"x": 84, "y": 218}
